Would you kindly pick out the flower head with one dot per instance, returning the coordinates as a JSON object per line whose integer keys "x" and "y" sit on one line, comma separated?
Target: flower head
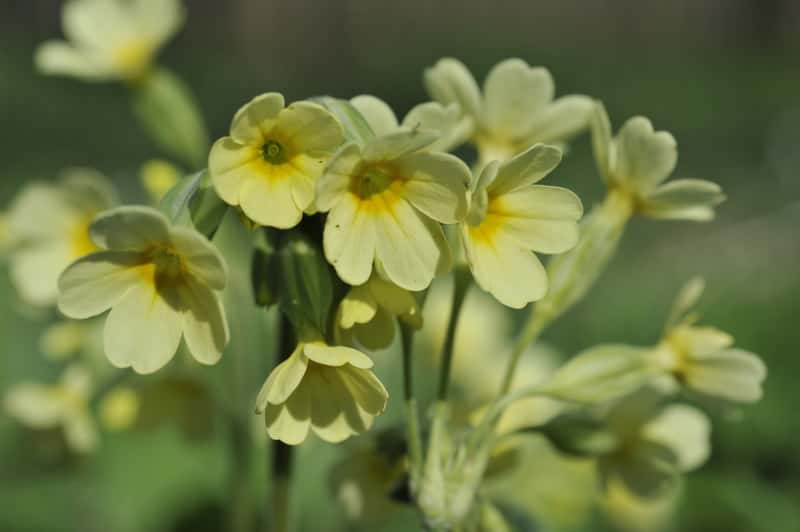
{"x": 366, "y": 314}
{"x": 160, "y": 283}
{"x": 515, "y": 111}
{"x": 110, "y": 39}
{"x": 329, "y": 390}
{"x": 270, "y": 163}
{"x": 509, "y": 217}
{"x": 385, "y": 201}
{"x": 48, "y": 226}
{"x": 703, "y": 358}
{"x": 638, "y": 160}
{"x": 65, "y": 405}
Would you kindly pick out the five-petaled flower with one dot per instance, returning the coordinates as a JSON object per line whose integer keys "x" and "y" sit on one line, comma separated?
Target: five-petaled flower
{"x": 515, "y": 111}
{"x": 160, "y": 283}
{"x": 510, "y": 216}
{"x": 328, "y": 390}
{"x": 110, "y": 39}
{"x": 270, "y": 163}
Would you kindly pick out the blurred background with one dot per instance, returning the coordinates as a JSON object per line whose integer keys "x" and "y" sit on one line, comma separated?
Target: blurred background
{"x": 722, "y": 76}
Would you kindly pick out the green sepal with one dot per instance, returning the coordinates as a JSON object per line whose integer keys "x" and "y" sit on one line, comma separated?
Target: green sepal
{"x": 579, "y": 434}
{"x": 195, "y": 199}
{"x": 356, "y": 128}
{"x": 264, "y": 268}
{"x": 168, "y": 113}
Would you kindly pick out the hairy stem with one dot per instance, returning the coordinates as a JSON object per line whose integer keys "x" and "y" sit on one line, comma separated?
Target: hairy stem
{"x": 533, "y": 327}
{"x": 460, "y": 285}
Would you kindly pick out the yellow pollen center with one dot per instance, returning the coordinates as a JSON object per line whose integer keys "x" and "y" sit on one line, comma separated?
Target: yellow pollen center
{"x": 273, "y": 152}
{"x": 374, "y": 180}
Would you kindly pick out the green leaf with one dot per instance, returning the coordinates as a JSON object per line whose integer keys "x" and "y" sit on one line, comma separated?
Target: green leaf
{"x": 194, "y": 196}
{"x": 356, "y": 128}
{"x": 168, "y": 113}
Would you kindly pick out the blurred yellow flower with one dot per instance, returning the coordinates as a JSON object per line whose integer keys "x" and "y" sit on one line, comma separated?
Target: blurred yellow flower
{"x": 703, "y": 359}
{"x": 327, "y": 389}
{"x": 119, "y": 408}
{"x": 65, "y": 405}
{"x": 270, "y": 163}
{"x": 366, "y": 314}
{"x": 160, "y": 283}
{"x": 515, "y": 111}
{"x": 638, "y": 160}
{"x": 510, "y": 216}
{"x": 48, "y": 229}
{"x": 158, "y": 176}
{"x": 386, "y": 200}
{"x": 110, "y": 39}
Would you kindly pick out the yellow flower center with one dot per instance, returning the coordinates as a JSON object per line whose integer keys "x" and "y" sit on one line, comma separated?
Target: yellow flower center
{"x": 378, "y": 188}
{"x": 80, "y": 243}
{"x": 273, "y": 152}
{"x": 132, "y": 57}
{"x": 164, "y": 267}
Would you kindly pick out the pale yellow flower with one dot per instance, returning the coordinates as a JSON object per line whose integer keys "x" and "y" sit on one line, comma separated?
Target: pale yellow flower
{"x": 328, "y": 390}
{"x": 48, "y": 227}
{"x": 110, "y": 39}
{"x": 366, "y": 314}
{"x": 515, "y": 111}
{"x": 270, "y": 163}
{"x": 64, "y": 405}
{"x": 510, "y": 217}
{"x": 638, "y": 160}
{"x": 158, "y": 177}
{"x": 385, "y": 201}
{"x": 445, "y": 121}
{"x": 703, "y": 358}
{"x": 160, "y": 283}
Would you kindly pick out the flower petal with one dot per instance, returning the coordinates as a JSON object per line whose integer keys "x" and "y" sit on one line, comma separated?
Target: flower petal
{"x": 290, "y": 421}
{"x": 35, "y": 271}
{"x": 142, "y": 330}
{"x": 269, "y": 201}
{"x": 397, "y": 144}
{"x": 283, "y": 380}
{"x": 733, "y": 374}
{"x": 684, "y": 430}
{"x": 514, "y": 276}
{"x": 80, "y": 432}
{"x": 204, "y": 325}
{"x": 336, "y": 355}
{"x": 334, "y": 413}
{"x": 449, "y": 81}
{"x": 683, "y": 199}
{"x": 603, "y": 146}
{"x": 377, "y": 113}
{"x": 514, "y": 92}
{"x": 231, "y": 164}
{"x": 310, "y": 129}
{"x": 453, "y": 128}
{"x": 378, "y": 333}
{"x": 335, "y": 183}
{"x": 560, "y": 120}
{"x": 255, "y": 120}
{"x": 130, "y": 227}
{"x": 200, "y": 256}
{"x": 358, "y": 306}
{"x": 60, "y": 58}
{"x": 349, "y": 240}
{"x": 524, "y": 169}
{"x": 644, "y": 157}
{"x": 33, "y": 404}
{"x": 95, "y": 283}
{"x": 436, "y": 184}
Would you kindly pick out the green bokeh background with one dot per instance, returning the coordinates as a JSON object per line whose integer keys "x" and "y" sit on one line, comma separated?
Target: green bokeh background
{"x": 724, "y": 78}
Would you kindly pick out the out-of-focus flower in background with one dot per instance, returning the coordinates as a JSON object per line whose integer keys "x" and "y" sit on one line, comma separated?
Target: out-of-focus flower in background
{"x": 64, "y": 405}
{"x": 160, "y": 282}
{"x": 515, "y": 111}
{"x": 158, "y": 176}
{"x": 48, "y": 228}
{"x": 110, "y": 39}
{"x": 119, "y": 408}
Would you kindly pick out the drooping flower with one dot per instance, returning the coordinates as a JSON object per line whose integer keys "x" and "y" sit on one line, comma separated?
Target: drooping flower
{"x": 64, "y": 405}
{"x": 510, "y": 216}
{"x": 636, "y": 162}
{"x": 445, "y": 120}
{"x": 385, "y": 201}
{"x": 270, "y": 163}
{"x": 366, "y": 314}
{"x": 703, "y": 358}
{"x": 159, "y": 281}
{"x": 110, "y": 39}
{"x": 329, "y": 390}
{"x": 48, "y": 229}
{"x": 515, "y": 111}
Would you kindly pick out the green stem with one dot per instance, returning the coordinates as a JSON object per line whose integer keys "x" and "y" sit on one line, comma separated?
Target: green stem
{"x": 241, "y": 515}
{"x": 536, "y": 323}
{"x": 412, "y": 413}
{"x": 460, "y": 286}
{"x": 281, "y": 463}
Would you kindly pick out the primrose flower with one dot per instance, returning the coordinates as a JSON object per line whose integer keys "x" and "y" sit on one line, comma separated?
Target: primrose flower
{"x": 515, "y": 111}
{"x": 446, "y": 121}
{"x": 48, "y": 229}
{"x": 509, "y": 217}
{"x": 64, "y": 405}
{"x": 158, "y": 177}
{"x": 702, "y": 358}
{"x": 270, "y": 163}
{"x": 366, "y": 314}
{"x": 638, "y": 160}
{"x": 110, "y": 39}
{"x": 654, "y": 445}
{"x": 384, "y": 201}
{"x": 160, "y": 283}
{"x": 329, "y": 390}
